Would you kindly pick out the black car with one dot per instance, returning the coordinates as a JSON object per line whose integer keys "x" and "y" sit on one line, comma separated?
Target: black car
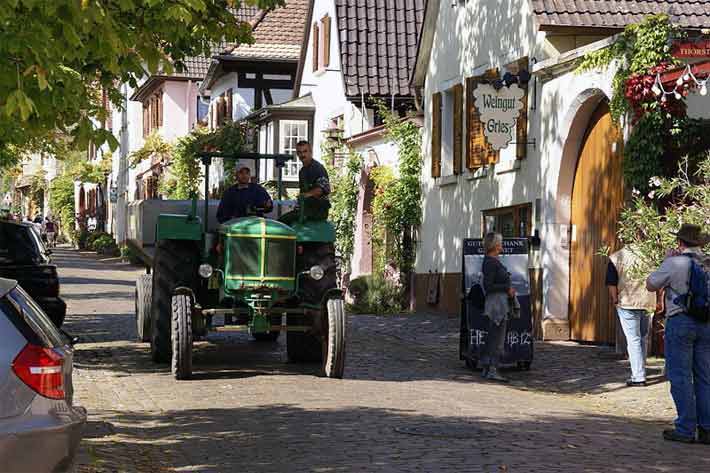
{"x": 24, "y": 257}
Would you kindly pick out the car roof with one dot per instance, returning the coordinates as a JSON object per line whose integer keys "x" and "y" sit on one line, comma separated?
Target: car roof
{"x": 6, "y": 285}
{"x": 12, "y": 222}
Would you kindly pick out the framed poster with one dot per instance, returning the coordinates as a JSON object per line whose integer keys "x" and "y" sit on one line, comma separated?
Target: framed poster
{"x": 474, "y": 323}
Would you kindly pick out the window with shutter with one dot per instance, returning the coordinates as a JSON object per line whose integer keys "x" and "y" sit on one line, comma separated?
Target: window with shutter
{"x": 478, "y": 151}
{"x": 159, "y": 111}
{"x": 436, "y": 135}
{"x": 521, "y": 128}
{"x": 146, "y": 118}
{"x": 228, "y": 106}
{"x": 457, "y": 128}
{"x": 325, "y": 47}
{"x": 316, "y": 40}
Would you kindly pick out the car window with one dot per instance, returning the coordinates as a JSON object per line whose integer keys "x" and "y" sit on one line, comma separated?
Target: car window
{"x": 36, "y": 318}
{"x": 21, "y": 244}
{"x": 37, "y": 237}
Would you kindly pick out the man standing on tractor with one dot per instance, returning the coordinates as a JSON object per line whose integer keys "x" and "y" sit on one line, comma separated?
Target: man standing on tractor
{"x": 243, "y": 197}
{"x": 314, "y": 187}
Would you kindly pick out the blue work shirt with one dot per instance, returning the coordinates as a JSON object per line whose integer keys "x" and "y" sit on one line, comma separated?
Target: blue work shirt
{"x": 238, "y": 198}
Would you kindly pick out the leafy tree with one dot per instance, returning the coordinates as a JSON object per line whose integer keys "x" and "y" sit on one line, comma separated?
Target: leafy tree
{"x": 58, "y": 57}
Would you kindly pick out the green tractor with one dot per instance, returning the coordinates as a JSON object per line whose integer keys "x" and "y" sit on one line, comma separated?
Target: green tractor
{"x": 253, "y": 273}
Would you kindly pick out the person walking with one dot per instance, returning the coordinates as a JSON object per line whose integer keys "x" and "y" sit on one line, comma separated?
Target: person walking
{"x": 498, "y": 288}
{"x": 50, "y": 231}
{"x": 634, "y": 307}
{"x": 687, "y": 339}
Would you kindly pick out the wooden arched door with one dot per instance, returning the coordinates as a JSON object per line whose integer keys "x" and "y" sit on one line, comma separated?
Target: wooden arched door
{"x": 597, "y": 199}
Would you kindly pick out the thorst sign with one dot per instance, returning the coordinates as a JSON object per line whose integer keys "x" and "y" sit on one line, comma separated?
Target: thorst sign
{"x": 499, "y": 110}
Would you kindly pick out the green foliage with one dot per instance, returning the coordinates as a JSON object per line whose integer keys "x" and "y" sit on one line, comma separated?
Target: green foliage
{"x": 640, "y": 47}
{"x": 343, "y": 200}
{"x": 129, "y": 254}
{"x": 80, "y": 238}
{"x": 61, "y": 201}
{"x": 185, "y": 167}
{"x": 643, "y": 152}
{"x": 374, "y": 295}
{"x": 684, "y": 198}
{"x": 56, "y": 56}
{"x": 102, "y": 243}
{"x": 398, "y": 202}
{"x": 154, "y": 145}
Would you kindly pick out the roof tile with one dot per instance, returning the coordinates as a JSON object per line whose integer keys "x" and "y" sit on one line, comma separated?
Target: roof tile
{"x": 619, "y": 13}
{"x": 378, "y": 44}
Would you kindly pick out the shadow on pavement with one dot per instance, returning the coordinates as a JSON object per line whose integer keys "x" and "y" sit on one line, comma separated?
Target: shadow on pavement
{"x": 291, "y": 438}
{"x": 384, "y": 348}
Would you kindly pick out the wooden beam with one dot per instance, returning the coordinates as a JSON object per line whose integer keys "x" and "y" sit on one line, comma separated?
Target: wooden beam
{"x": 699, "y": 69}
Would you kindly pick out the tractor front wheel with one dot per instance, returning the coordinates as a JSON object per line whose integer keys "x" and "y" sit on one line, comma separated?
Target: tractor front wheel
{"x": 144, "y": 295}
{"x": 174, "y": 265}
{"x": 182, "y": 336}
{"x": 334, "y": 339}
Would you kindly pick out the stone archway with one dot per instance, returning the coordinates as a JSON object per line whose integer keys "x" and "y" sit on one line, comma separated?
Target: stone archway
{"x": 556, "y": 259}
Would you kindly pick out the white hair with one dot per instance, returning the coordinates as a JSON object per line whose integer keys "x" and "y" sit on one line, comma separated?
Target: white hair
{"x": 491, "y": 240}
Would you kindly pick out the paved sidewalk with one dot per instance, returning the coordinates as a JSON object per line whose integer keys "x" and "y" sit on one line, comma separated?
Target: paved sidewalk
{"x": 406, "y": 404}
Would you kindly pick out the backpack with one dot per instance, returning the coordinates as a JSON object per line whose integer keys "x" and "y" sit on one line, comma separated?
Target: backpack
{"x": 697, "y": 301}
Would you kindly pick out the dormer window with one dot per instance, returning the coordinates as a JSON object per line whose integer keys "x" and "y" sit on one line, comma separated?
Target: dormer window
{"x": 321, "y": 44}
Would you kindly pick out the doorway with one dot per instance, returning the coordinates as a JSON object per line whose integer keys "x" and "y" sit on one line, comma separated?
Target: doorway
{"x": 597, "y": 199}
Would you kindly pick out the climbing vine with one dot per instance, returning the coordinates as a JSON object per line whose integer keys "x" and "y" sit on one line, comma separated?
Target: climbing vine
{"x": 61, "y": 201}
{"x": 344, "y": 199}
{"x": 185, "y": 169}
{"x": 661, "y": 128}
{"x": 639, "y": 48}
{"x": 398, "y": 202}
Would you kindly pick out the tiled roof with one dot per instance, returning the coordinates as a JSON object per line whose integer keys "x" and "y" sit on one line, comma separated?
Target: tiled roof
{"x": 245, "y": 13}
{"x": 197, "y": 66}
{"x": 619, "y": 13}
{"x": 278, "y": 34}
{"x": 378, "y": 44}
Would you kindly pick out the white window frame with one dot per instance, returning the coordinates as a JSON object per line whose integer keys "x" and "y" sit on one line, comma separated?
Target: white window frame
{"x": 290, "y": 171}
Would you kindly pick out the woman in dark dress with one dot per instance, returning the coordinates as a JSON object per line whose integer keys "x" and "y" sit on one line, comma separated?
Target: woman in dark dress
{"x": 499, "y": 291}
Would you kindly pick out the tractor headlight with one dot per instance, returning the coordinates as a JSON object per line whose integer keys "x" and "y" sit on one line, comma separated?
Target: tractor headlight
{"x": 316, "y": 272}
{"x": 205, "y": 270}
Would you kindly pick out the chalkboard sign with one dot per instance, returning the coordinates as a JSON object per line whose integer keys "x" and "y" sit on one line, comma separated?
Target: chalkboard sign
{"x": 474, "y": 324}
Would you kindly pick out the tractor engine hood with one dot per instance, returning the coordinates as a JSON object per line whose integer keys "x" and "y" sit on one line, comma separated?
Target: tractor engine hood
{"x": 259, "y": 254}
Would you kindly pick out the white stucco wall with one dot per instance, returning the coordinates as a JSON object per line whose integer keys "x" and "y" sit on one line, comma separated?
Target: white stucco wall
{"x": 179, "y": 109}
{"x": 326, "y": 86}
{"x": 471, "y": 44}
{"x": 468, "y": 41}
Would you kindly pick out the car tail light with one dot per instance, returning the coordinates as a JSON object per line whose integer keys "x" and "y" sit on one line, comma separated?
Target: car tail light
{"x": 41, "y": 369}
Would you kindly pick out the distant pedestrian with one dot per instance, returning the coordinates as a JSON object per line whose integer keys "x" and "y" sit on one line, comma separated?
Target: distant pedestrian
{"x": 50, "y": 230}
{"x": 687, "y": 338}
{"x": 634, "y": 307}
{"x": 499, "y": 292}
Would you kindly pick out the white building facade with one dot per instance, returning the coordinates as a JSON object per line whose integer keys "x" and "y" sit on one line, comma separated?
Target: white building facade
{"x": 559, "y": 180}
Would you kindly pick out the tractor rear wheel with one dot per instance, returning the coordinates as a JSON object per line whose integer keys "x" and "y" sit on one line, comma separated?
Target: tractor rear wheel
{"x": 174, "y": 265}
{"x": 334, "y": 339}
{"x": 302, "y": 346}
{"x": 266, "y": 337}
{"x": 144, "y": 294}
{"x": 182, "y": 336}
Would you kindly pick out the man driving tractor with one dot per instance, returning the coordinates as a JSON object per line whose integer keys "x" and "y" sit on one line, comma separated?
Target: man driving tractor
{"x": 242, "y": 197}
{"x": 314, "y": 187}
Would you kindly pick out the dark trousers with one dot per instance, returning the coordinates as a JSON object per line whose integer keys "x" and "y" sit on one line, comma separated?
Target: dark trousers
{"x": 495, "y": 343}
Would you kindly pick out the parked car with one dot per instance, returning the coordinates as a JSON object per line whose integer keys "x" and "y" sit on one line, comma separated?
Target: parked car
{"x": 40, "y": 427}
{"x": 24, "y": 257}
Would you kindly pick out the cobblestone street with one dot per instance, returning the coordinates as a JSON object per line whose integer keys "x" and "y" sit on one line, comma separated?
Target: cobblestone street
{"x": 406, "y": 404}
